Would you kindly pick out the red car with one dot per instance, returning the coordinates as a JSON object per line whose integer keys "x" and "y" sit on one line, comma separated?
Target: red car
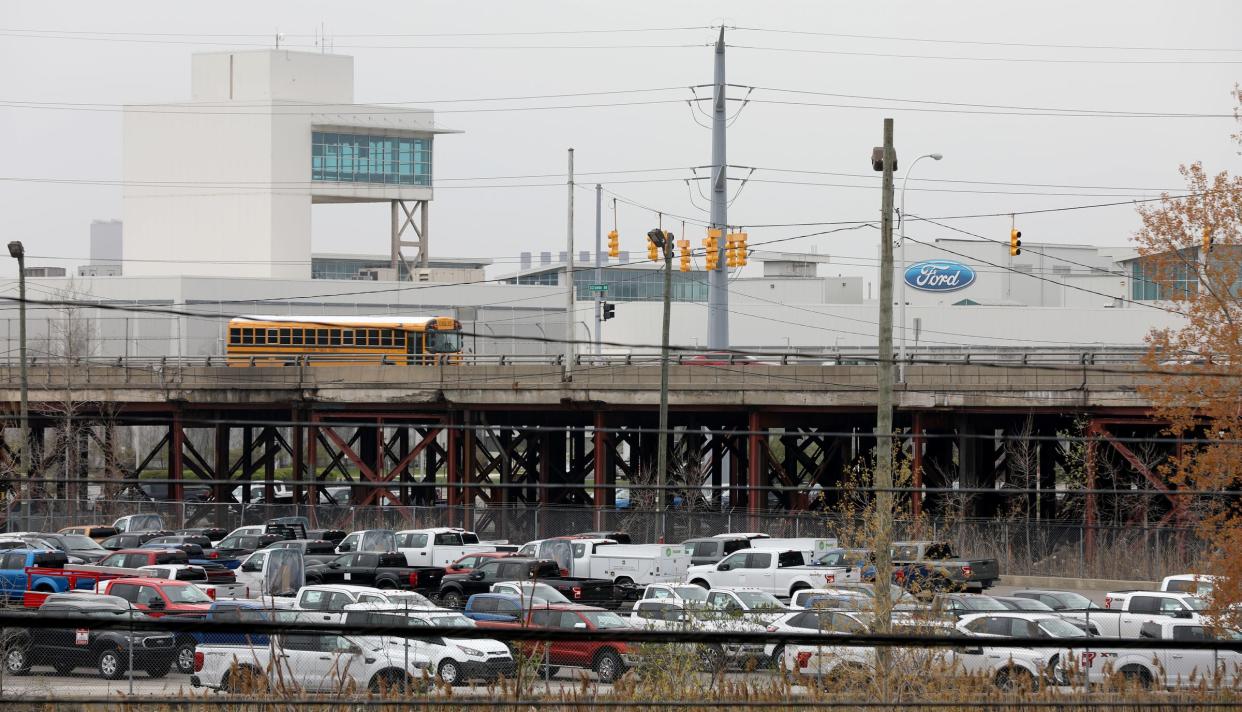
{"x": 161, "y": 597}
{"x": 608, "y": 659}
{"x": 470, "y": 562}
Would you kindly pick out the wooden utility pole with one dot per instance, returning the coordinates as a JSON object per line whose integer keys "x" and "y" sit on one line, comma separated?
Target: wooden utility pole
{"x": 884, "y": 407}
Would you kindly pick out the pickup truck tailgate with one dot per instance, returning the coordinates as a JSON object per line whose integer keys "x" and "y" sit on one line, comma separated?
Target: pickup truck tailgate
{"x": 426, "y": 578}
{"x": 983, "y": 570}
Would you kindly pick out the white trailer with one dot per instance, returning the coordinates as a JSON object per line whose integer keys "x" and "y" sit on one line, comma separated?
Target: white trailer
{"x": 623, "y": 564}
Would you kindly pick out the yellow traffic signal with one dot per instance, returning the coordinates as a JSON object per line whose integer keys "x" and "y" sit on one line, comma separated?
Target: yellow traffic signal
{"x": 1015, "y": 242}
{"x": 684, "y": 246}
{"x": 739, "y": 247}
{"x": 614, "y": 244}
{"x": 730, "y": 250}
{"x": 712, "y": 245}
{"x": 653, "y": 252}
{"x": 1207, "y": 240}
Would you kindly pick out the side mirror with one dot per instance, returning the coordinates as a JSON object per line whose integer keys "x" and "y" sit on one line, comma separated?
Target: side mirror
{"x": 476, "y": 576}
{"x": 345, "y": 548}
{"x": 157, "y": 605}
{"x": 350, "y": 650}
{"x": 723, "y": 567}
{"x": 971, "y": 651}
{"x": 1183, "y": 614}
{"x": 334, "y": 565}
{"x": 251, "y": 567}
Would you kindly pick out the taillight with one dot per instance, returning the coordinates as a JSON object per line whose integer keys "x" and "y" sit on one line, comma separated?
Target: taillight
{"x": 214, "y": 555}
{"x": 577, "y": 591}
{"x": 198, "y": 661}
{"x": 413, "y": 578}
{"x": 804, "y": 659}
{"x": 211, "y": 593}
{"x": 966, "y": 570}
{"x": 564, "y": 573}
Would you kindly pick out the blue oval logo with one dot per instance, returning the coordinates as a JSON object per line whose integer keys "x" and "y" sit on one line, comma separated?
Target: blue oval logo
{"x": 939, "y": 276}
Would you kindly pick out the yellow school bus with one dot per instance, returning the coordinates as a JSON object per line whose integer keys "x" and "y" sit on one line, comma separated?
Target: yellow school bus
{"x": 343, "y": 340}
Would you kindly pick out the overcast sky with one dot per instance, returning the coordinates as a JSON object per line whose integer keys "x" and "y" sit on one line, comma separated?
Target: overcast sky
{"x": 1133, "y": 157}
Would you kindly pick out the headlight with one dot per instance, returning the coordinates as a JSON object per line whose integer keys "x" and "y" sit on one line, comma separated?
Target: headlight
{"x": 472, "y": 652}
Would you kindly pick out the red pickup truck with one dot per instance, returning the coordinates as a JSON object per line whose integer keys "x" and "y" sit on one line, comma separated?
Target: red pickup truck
{"x": 163, "y": 597}
{"x": 609, "y": 659}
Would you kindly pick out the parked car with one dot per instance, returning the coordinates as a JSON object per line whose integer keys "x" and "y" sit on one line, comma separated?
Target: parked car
{"x": 137, "y": 558}
{"x": 818, "y": 621}
{"x": 108, "y": 650}
{"x": 139, "y": 523}
{"x": 45, "y": 574}
{"x": 314, "y": 551}
{"x": 676, "y": 592}
{"x": 470, "y": 562}
{"x": 1125, "y": 612}
{"x": 1198, "y": 584}
{"x": 85, "y": 549}
{"x": 213, "y": 534}
{"x": 960, "y": 604}
{"x": 537, "y": 592}
{"x": 325, "y": 603}
{"x": 779, "y": 572}
{"x": 98, "y": 532}
{"x": 1014, "y": 624}
{"x": 380, "y": 570}
{"x": 711, "y": 549}
{"x": 129, "y": 541}
{"x": 241, "y": 545}
{"x": 608, "y": 659}
{"x": 668, "y": 614}
{"x": 1166, "y": 668}
{"x": 162, "y": 597}
{"x": 455, "y": 661}
{"x": 438, "y": 546}
{"x": 197, "y": 576}
{"x": 455, "y": 589}
{"x": 951, "y": 572}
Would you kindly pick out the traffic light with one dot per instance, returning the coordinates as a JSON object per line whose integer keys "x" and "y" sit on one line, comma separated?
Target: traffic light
{"x": 1015, "y": 242}
{"x": 610, "y": 310}
{"x": 1207, "y": 240}
{"x": 684, "y": 246}
{"x": 614, "y": 244}
{"x": 653, "y": 251}
{"x": 739, "y": 248}
{"x": 712, "y": 244}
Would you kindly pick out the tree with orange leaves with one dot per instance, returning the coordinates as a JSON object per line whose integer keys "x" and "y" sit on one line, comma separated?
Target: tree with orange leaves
{"x": 1190, "y": 261}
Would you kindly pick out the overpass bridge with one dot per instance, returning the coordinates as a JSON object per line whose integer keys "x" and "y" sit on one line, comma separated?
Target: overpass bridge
{"x": 753, "y": 434}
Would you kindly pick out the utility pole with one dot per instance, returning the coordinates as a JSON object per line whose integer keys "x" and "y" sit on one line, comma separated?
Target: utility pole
{"x": 567, "y": 371}
{"x": 718, "y": 279}
{"x": 599, "y": 266}
{"x": 664, "y": 241}
{"x": 884, "y": 409}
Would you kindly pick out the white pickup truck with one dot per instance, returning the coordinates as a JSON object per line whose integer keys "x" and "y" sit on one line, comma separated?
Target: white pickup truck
{"x": 311, "y": 662}
{"x": 1125, "y": 612}
{"x": 779, "y": 572}
{"x": 325, "y": 603}
{"x": 438, "y": 546}
{"x": 1165, "y": 668}
{"x": 197, "y": 576}
{"x": 623, "y": 564}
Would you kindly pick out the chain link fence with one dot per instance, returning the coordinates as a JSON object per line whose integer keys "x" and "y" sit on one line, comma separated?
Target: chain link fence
{"x": 1021, "y": 547}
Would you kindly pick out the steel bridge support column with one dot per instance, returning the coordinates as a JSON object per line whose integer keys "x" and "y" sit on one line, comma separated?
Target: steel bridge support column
{"x": 219, "y": 490}
{"x": 469, "y": 469}
{"x": 296, "y": 445}
{"x": 1047, "y": 505}
{"x": 603, "y": 475}
{"x": 453, "y": 494}
{"x": 756, "y": 497}
{"x": 176, "y": 461}
{"x": 312, "y": 469}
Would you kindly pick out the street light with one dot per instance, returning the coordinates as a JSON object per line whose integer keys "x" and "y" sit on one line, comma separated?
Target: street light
{"x": 18, "y": 252}
{"x": 901, "y": 300}
{"x": 664, "y": 241}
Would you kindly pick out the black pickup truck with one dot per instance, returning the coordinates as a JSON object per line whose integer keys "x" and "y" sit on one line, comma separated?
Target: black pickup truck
{"x": 106, "y": 650}
{"x": 456, "y": 588}
{"x": 379, "y": 570}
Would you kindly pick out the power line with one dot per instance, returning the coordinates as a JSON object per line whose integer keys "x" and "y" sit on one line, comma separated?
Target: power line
{"x": 350, "y": 109}
{"x": 268, "y": 35}
{"x": 1020, "y": 60}
{"x": 991, "y": 43}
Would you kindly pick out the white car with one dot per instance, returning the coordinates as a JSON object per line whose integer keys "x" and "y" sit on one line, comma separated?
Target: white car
{"x": 530, "y": 591}
{"x": 813, "y": 621}
{"x": 678, "y": 615}
{"x": 684, "y": 592}
{"x": 455, "y": 661}
{"x": 1018, "y": 624}
{"x": 326, "y": 602}
{"x": 750, "y": 604}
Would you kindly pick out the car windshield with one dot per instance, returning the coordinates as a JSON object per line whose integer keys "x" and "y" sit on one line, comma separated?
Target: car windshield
{"x": 1029, "y": 604}
{"x": 1057, "y": 628}
{"x": 409, "y": 598}
{"x": 77, "y": 541}
{"x": 983, "y": 603}
{"x": 758, "y": 599}
{"x": 692, "y": 593}
{"x": 1074, "y": 601}
{"x": 452, "y": 620}
{"x": 443, "y": 342}
{"x": 605, "y": 619}
{"x": 186, "y": 594}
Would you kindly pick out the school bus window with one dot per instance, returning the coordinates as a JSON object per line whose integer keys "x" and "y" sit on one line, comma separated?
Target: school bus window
{"x": 260, "y": 337}
{"x": 272, "y": 337}
{"x": 347, "y": 337}
{"x": 297, "y": 337}
{"x": 247, "y": 336}
{"x": 373, "y": 337}
{"x": 334, "y": 337}
{"x": 234, "y": 336}
{"x": 321, "y": 337}
{"x": 398, "y": 338}
{"x": 386, "y": 337}
{"x": 285, "y": 336}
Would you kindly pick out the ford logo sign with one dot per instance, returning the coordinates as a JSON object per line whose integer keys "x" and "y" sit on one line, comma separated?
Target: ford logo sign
{"x": 939, "y": 276}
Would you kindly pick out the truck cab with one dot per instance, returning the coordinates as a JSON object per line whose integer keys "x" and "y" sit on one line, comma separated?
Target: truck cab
{"x": 376, "y": 540}
{"x": 438, "y": 546}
